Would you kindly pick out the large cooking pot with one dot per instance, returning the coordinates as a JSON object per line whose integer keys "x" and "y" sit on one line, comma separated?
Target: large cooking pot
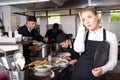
{"x": 55, "y": 47}
{"x": 49, "y": 49}
{"x": 45, "y": 50}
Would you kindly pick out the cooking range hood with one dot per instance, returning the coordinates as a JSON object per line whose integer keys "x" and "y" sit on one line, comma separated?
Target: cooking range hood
{"x": 37, "y": 5}
{"x": 12, "y": 2}
{"x": 33, "y": 5}
{"x": 17, "y": 2}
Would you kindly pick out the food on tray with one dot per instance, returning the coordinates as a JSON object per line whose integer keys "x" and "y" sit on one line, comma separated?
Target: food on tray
{"x": 51, "y": 64}
{"x": 41, "y": 63}
{"x": 42, "y": 68}
{"x": 36, "y": 63}
{"x": 62, "y": 62}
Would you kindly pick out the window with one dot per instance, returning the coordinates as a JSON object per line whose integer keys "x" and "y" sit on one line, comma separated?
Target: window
{"x": 99, "y": 14}
{"x": 38, "y": 21}
{"x": 115, "y": 15}
{"x": 54, "y": 19}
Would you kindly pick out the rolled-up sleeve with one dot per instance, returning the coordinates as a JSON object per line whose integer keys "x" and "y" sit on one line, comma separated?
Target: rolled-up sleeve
{"x": 79, "y": 45}
{"x": 112, "y": 55}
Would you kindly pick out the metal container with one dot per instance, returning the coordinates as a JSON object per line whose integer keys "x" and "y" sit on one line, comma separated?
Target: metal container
{"x": 17, "y": 75}
{"x": 55, "y": 47}
{"x": 49, "y": 49}
{"x": 45, "y": 51}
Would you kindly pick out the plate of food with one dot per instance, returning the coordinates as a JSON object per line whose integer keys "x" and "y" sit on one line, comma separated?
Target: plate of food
{"x": 64, "y": 53}
{"x": 47, "y": 73}
{"x": 62, "y": 62}
{"x": 38, "y": 62}
{"x": 42, "y": 68}
{"x": 51, "y": 64}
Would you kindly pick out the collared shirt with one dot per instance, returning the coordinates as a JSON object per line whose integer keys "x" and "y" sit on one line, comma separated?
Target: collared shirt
{"x": 96, "y": 35}
{"x": 29, "y": 30}
{"x": 79, "y": 45}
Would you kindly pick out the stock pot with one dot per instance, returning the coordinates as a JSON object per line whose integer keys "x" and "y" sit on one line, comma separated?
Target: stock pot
{"x": 49, "y": 49}
{"x": 55, "y": 48}
{"x": 45, "y": 50}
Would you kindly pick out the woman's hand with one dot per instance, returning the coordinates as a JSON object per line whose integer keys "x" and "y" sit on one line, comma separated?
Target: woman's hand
{"x": 97, "y": 71}
{"x": 81, "y": 21}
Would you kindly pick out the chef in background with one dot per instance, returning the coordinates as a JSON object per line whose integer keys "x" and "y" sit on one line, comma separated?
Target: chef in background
{"x": 28, "y": 30}
{"x": 66, "y": 42}
{"x": 52, "y": 33}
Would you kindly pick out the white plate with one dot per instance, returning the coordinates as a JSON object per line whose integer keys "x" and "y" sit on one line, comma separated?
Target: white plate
{"x": 51, "y": 65}
{"x": 62, "y": 62}
{"x": 39, "y": 69}
{"x": 64, "y": 53}
{"x": 36, "y": 73}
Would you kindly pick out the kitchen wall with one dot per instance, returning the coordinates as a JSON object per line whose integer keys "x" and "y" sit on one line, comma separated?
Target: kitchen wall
{"x": 115, "y": 27}
{"x": 5, "y": 16}
{"x": 17, "y": 20}
{"x": 43, "y": 24}
{"x": 69, "y": 24}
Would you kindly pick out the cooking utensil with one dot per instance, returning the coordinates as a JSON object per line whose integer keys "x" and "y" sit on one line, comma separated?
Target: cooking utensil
{"x": 3, "y": 66}
{"x": 5, "y": 62}
{"x": 19, "y": 61}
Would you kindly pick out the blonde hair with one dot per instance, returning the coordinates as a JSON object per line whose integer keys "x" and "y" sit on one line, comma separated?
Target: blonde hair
{"x": 89, "y": 8}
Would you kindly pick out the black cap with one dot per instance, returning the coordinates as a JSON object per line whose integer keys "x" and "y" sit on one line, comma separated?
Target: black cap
{"x": 62, "y": 37}
{"x": 31, "y": 18}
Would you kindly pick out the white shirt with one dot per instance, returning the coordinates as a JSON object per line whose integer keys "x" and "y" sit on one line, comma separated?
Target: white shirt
{"x": 79, "y": 45}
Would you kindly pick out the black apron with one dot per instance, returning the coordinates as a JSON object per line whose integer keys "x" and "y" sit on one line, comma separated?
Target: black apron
{"x": 83, "y": 68}
{"x": 74, "y": 55}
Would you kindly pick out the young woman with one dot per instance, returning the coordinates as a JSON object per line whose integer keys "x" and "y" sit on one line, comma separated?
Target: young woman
{"x": 87, "y": 43}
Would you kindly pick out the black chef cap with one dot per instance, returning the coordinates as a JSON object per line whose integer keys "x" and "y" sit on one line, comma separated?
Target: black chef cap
{"x": 62, "y": 37}
{"x": 31, "y": 18}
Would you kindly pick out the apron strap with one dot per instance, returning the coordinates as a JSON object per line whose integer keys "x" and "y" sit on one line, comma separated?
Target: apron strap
{"x": 104, "y": 34}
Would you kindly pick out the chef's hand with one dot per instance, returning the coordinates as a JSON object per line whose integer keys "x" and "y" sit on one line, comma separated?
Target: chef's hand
{"x": 97, "y": 71}
{"x": 65, "y": 57}
{"x": 45, "y": 39}
{"x": 35, "y": 47}
{"x": 72, "y": 62}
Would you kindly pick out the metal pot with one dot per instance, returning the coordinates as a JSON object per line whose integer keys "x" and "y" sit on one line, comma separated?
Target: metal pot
{"x": 50, "y": 49}
{"x": 55, "y": 48}
{"x": 45, "y": 50}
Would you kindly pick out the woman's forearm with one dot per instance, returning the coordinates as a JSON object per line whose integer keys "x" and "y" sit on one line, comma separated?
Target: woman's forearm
{"x": 79, "y": 45}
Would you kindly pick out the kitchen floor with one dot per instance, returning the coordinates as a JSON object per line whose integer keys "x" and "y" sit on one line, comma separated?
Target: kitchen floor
{"x": 115, "y": 73}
